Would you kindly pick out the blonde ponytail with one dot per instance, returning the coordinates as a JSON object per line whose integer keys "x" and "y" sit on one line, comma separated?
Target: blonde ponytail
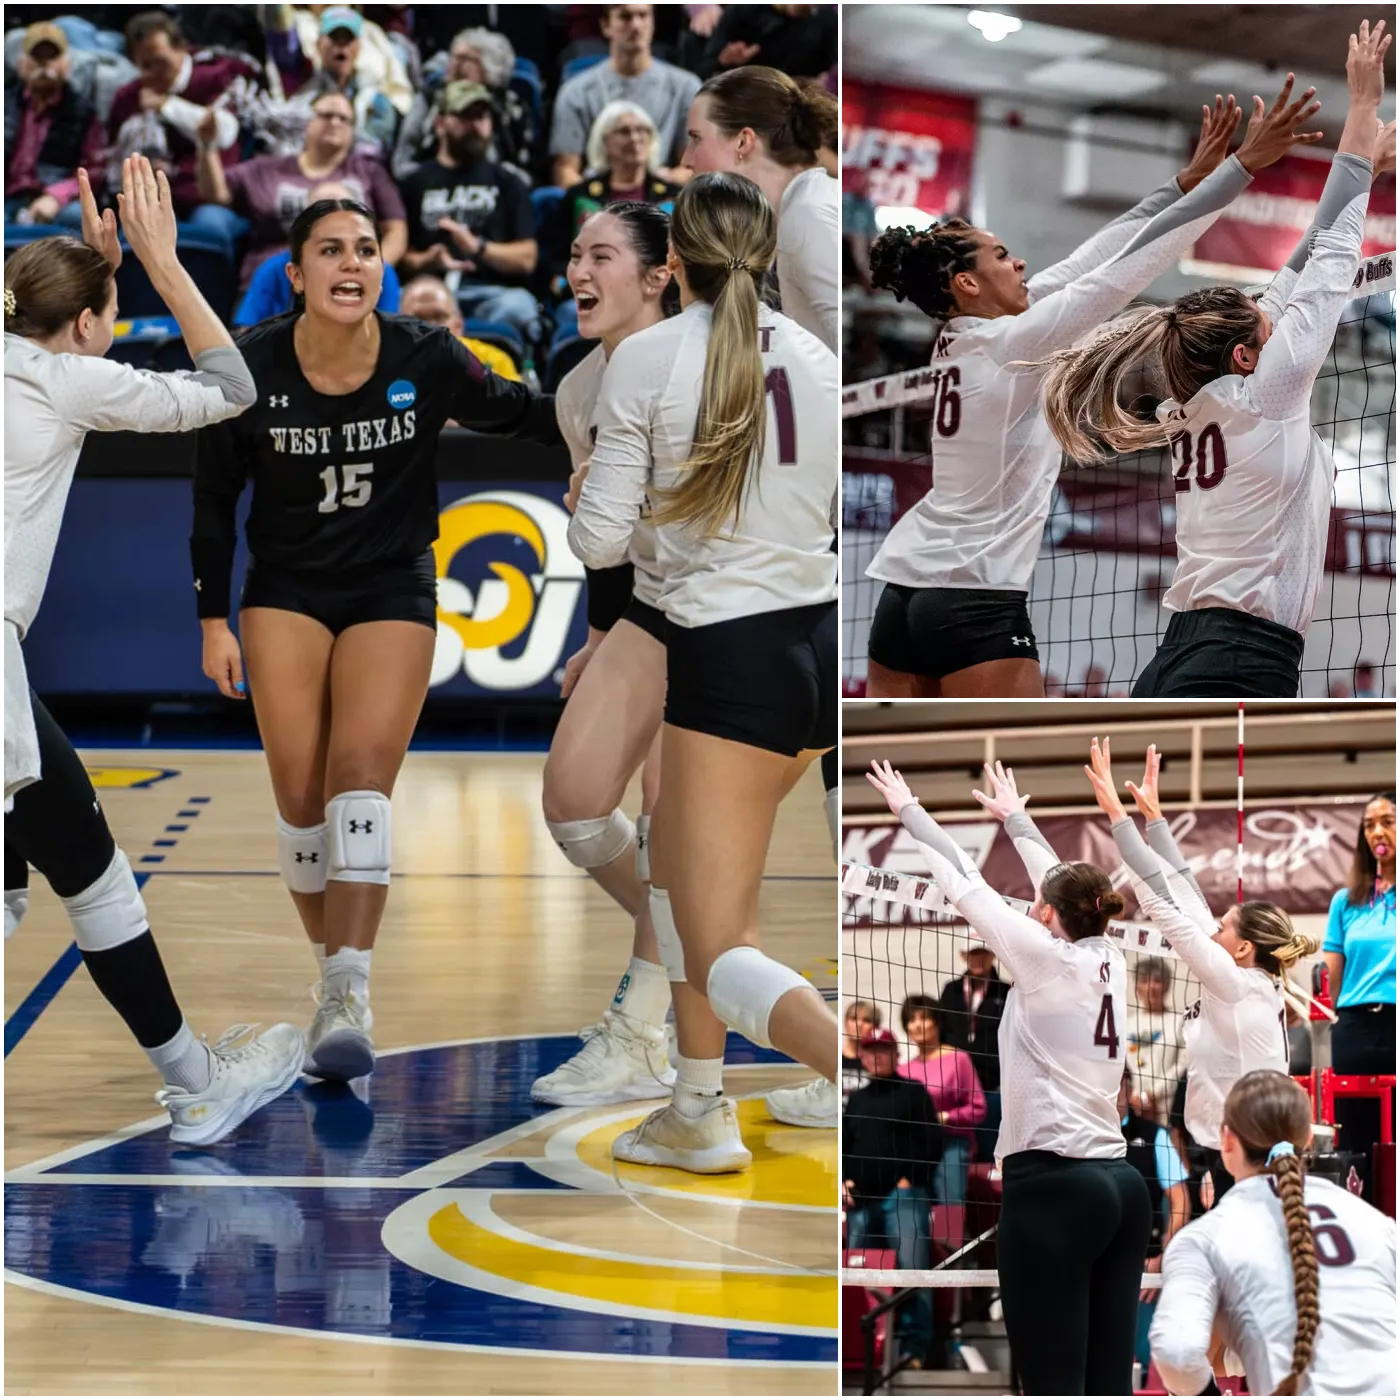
{"x": 724, "y": 233}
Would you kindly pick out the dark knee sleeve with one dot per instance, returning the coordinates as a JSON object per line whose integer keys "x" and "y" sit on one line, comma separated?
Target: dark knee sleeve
{"x": 830, "y": 777}
{"x": 16, "y": 868}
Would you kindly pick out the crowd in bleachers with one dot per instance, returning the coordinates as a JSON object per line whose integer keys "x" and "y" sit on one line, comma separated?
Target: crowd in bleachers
{"x": 480, "y": 136}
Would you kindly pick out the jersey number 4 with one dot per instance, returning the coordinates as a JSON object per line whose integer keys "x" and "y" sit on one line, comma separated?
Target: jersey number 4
{"x": 1209, "y": 457}
{"x": 351, "y": 488}
{"x": 1106, "y": 1031}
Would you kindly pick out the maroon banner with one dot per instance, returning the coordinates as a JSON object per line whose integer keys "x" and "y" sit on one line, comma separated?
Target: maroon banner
{"x": 1298, "y": 856}
{"x": 907, "y": 148}
{"x": 1262, "y": 226}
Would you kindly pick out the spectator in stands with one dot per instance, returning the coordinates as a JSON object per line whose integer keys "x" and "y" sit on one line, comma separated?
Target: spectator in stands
{"x": 971, "y": 1007}
{"x": 270, "y": 291}
{"x": 629, "y": 72}
{"x": 1154, "y": 1040}
{"x": 889, "y": 1147}
{"x": 50, "y": 130}
{"x": 469, "y": 216}
{"x": 799, "y": 40}
{"x": 623, "y": 155}
{"x": 958, "y": 1103}
{"x": 159, "y": 116}
{"x": 1359, "y": 950}
{"x": 860, "y": 1019}
{"x": 428, "y": 299}
{"x": 270, "y": 191}
{"x": 476, "y": 56}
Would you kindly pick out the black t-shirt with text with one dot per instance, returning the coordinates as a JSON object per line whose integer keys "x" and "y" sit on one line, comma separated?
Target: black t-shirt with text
{"x": 489, "y": 199}
{"x": 344, "y": 482}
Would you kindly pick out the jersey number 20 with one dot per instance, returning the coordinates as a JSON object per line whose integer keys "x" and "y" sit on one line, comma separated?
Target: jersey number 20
{"x": 1209, "y": 458}
{"x": 351, "y": 489}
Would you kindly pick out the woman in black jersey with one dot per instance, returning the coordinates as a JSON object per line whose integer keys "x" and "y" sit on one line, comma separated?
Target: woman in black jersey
{"x": 338, "y": 615}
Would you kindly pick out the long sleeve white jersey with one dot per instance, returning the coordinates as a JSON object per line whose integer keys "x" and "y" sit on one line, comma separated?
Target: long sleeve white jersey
{"x": 1061, "y": 1038}
{"x": 777, "y": 554}
{"x": 1233, "y": 1265}
{"x": 1237, "y": 1024}
{"x": 576, "y": 407}
{"x": 51, "y": 403}
{"x": 809, "y": 255}
{"x": 1254, "y": 481}
{"x": 995, "y": 460}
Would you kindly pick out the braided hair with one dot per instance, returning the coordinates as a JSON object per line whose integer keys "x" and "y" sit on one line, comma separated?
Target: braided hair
{"x": 1272, "y": 1118}
{"x": 920, "y": 264}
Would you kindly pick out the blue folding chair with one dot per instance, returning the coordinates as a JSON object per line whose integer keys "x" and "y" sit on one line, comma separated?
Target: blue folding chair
{"x": 568, "y": 349}
{"x": 498, "y": 333}
{"x": 525, "y": 80}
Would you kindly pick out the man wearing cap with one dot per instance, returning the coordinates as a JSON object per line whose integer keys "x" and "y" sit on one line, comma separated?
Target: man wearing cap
{"x": 889, "y": 1145}
{"x": 971, "y": 1007}
{"x": 469, "y": 218}
{"x": 338, "y": 54}
{"x": 50, "y": 130}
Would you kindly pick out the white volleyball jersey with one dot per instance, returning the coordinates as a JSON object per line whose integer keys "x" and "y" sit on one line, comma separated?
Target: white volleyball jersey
{"x": 1253, "y": 479}
{"x": 1233, "y": 1265}
{"x": 778, "y": 553}
{"x": 809, "y": 255}
{"x": 995, "y": 460}
{"x": 576, "y": 407}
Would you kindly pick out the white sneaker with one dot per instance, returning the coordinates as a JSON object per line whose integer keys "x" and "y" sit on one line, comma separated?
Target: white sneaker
{"x": 248, "y": 1071}
{"x": 338, "y": 1045}
{"x": 704, "y": 1145}
{"x": 811, "y": 1105}
{"x": 622, "y": 1059}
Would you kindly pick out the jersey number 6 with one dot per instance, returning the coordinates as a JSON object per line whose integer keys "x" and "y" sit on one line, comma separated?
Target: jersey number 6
{"x": 352, "y": 489}
{"x": 1210, "y": 444}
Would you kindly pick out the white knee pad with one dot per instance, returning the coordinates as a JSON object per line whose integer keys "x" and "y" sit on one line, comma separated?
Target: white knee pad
{"x": 668, "y": 939}
{"x": 644, "y": 849}
{"x": 596, "y": 841}
{"x": 16, "y": 907}
{"x": 358, "y": 828}
{"x": 304, "y": 856}
{"x": 110, "y": 911}
{"x": 744, "y": 986}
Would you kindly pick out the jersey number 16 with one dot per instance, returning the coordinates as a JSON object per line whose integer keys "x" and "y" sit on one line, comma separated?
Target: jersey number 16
{"x": 351, "y": 489}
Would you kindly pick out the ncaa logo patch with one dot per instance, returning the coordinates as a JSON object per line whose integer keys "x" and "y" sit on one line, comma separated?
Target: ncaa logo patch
{"x": 402, "y": 395}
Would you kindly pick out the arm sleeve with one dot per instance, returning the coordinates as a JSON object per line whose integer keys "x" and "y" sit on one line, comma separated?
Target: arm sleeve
{"x": 609, "y": 592}
{"x": 220, "y": 471}
{"x": 1031, "y": 953}
{"x": 481, "y": 399}
{"x": 1281, "y": 386}
{"x": 1184, "y": 889}
{"x": 1108, "y": 241}
{"x": 1181, "y": 1326}
{"x": 1061, "y": 318}
{"x": 1037, "y": 854}
{"x": 105, "y": 396}
{"x": 1334, "y": 940}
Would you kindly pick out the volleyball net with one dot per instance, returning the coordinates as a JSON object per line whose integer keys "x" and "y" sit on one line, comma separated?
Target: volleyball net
{"x": 1109, "y": 546}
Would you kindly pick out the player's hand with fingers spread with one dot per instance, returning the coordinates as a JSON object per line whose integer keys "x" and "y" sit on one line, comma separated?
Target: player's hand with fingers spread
{"x": 99, "y": 230}
{"x": 1218, "y": 127}
{"x": 891, "y": 786}
{"x": 1146, "y": 795}
{"x": 1100, "y": 774}
{"x": 1272, "y": 134}
{"x": 1366, "y": 52}
{"x": 148, "y": 214}
{"x": 1004, "y": 799}
{"x": 223, "y": 658}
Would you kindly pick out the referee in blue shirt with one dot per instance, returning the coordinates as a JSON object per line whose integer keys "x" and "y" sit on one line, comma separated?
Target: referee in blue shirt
{"x": 1360, "y": 953}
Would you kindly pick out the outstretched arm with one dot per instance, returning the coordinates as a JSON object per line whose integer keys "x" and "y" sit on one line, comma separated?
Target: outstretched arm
{"x": 1185, "y": 891}
{"x": 1009, "y": 807}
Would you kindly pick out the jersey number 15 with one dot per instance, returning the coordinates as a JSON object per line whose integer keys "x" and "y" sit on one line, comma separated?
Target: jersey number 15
{"x": 351, "y": 489}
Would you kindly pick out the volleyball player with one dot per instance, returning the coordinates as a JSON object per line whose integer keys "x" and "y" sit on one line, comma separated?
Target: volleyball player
{"x": 1075, "y": 1217}
{"x": 617, "y": 272}
{"x": 740, "y": 508}
{"x": 758, "y": 122}
{"x": 338, "y": 616}
{"x": 60, "y": 306}
{"x": 952, "y": 619}
{"x": 1296, "y": 1274}
{"x": 1239, "y": 1023}
{"x": 1253, "y": 478}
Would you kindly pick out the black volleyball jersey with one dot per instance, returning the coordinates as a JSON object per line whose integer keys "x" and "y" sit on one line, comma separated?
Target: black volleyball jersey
{"x": 344, "y": 481}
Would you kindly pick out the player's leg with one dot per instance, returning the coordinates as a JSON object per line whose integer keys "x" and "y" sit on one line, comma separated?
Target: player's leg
{"x": 59, "y": 828}
{"x": 1000, "y": 679}
{"x": 892, "y": 671}
{"x": 1117, "y": 1281}
{"x": 979, "y": 642}
{"x": 831, "y": 803}
{"x": 16, "y": 888}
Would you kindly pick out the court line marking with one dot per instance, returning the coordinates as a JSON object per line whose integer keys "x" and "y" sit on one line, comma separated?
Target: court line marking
{"x": 322, "y": 1335}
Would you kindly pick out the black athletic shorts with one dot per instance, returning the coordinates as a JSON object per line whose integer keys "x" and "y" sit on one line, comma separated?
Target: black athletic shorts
{"x": 1222, "y": 653}
{"x": 385, "y": 593}
{"x": 935, "y": 631}
{"x": 771, "y": 681}
{"x": 651, "y": 620}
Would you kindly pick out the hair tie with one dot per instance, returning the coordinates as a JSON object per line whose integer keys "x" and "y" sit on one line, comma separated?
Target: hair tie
{"x": 1279, "y": 1149}
{"x": 10, "y": 304}
{"x": 738, "y": 265}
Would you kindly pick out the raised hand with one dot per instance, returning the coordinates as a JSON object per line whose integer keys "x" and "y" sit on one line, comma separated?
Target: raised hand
{"x": 1218, "y": 127}
{"x": 1366, "y": 51}
{"x": 890, "y": 784}
{"x": 148, "y": 215}
{"x": 1100, "y": 773}
{"x": 1146, "y": 795}
{"x": 1272, "y": 134}
{"x": 99, "y": 230}
{"x": 1004, "y": 799}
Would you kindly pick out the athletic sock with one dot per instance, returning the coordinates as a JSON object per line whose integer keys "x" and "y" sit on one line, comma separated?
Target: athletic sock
{"x": 347, "y": 973}
{"x": 132, "y": 978}
{"x": 644, "y": 993}
{"x": 184, "y": 1061}
{"x": 698, "y": 1084}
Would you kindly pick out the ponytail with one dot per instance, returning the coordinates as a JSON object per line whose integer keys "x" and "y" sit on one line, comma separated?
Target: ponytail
{"x": 1302, "y": 1252}
{"x": 792, "y": 120}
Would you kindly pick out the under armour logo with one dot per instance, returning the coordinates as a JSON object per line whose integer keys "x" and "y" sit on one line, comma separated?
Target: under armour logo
{"x": 277, "y": 401}
{"x": 312, "y": 856}
{"x": 1021, "y": 641}
{"x": 367, "y": 827}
